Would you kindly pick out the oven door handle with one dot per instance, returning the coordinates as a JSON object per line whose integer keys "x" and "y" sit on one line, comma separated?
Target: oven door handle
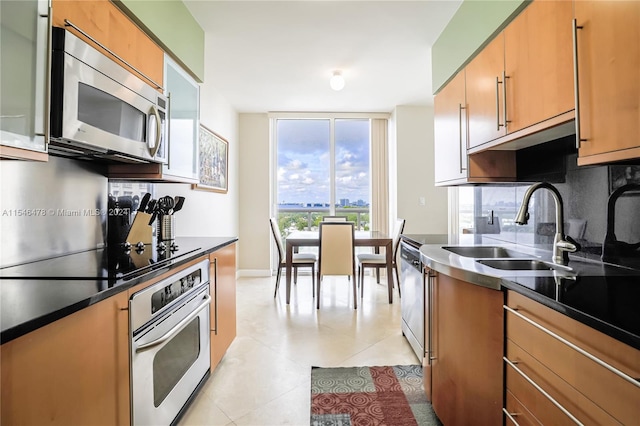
{"x": 168, "y": 335}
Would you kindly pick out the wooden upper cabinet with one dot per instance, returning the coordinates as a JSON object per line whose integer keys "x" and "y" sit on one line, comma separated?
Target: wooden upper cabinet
{"x": 109, "y": 26}
{"x": 538, "y": 64}
{"x": 450, "y": 122}
{"x": 485, "y": 101}
{"x": 608, "y": 53}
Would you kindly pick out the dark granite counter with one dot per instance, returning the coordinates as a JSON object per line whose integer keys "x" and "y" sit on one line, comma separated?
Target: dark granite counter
{"x": 601, "y": 295}
{"x": 35, "y": 294}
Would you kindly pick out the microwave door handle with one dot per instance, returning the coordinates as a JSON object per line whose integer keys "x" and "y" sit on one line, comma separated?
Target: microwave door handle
{"x": 153, "y": 149}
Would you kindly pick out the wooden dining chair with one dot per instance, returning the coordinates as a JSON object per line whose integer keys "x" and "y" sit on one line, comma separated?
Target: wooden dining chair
{"x": 337, "y": 254}
{"x": 377, "y": 260}
{"x": 299, "y": 260}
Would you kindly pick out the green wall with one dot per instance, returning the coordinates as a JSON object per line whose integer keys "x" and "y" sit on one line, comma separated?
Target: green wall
{"x": 470, "y": 29}
{"x": 173, "y": 27}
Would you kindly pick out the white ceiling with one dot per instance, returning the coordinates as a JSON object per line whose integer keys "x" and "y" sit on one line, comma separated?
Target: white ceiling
{"x": 279, "y": 55}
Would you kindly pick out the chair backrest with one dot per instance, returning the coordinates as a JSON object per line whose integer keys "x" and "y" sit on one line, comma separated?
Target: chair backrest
{"x": 397, "y": 232}
{"x": 275, "y": 230}
{"x": 336, "y": 248}
{"x": 334, "y": 218}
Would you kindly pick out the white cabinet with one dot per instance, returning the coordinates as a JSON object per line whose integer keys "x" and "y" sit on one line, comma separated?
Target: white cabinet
{"x": 24, "y": 79}
{"x": 184, "y": 121}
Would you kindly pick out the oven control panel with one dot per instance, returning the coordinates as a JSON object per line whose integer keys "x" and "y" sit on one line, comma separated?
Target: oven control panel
{"x": 171, "y": 292}
{"x": 161, "y": 296}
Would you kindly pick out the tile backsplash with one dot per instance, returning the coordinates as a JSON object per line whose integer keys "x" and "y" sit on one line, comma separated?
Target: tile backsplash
{"x": 585, "y": 193}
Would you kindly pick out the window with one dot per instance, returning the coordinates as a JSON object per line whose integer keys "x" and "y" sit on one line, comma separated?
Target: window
{"x": 322, "y": 168}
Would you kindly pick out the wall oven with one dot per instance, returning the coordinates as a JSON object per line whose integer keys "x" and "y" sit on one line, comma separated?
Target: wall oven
{"x": 101, "y": 110}
{"x": 170, "y": 345}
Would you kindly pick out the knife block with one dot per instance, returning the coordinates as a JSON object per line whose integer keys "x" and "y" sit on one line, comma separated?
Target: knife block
{"x": 140, "y": 230}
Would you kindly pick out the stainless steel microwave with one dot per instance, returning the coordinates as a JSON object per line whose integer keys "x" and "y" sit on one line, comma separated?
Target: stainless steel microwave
{"x": 100, "y": 110}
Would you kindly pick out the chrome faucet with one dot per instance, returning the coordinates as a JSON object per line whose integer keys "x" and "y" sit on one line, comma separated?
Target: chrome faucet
{"x": 562, "y": 244}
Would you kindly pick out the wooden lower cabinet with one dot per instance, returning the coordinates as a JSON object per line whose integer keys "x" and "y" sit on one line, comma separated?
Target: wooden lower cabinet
{"x": 223, "y": 307}
{"x": 74, "y": 371}
{"x": 467, "y": 347}
{"x": 587, "y": 390}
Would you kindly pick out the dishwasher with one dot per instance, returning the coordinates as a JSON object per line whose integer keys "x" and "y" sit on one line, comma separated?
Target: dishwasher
{"x": 412, "y": 302}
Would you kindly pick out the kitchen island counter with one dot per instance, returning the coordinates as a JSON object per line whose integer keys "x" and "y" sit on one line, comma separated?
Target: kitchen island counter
{"x": 35, "y": 294}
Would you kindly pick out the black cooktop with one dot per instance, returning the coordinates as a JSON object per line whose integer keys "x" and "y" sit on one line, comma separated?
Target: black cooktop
{"x": 112, "y": 263}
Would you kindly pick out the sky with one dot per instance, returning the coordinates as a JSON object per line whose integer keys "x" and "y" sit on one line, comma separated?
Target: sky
{"x": 303, "y": 160}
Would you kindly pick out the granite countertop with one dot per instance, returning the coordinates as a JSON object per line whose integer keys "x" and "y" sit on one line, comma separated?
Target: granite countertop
{"x": 35, "y": 294}
{"x": 600, "y": 295}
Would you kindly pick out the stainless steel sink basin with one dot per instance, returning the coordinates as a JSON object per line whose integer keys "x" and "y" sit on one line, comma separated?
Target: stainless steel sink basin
{"x": 522, "y": 265}
{"x": 485, "y": 252}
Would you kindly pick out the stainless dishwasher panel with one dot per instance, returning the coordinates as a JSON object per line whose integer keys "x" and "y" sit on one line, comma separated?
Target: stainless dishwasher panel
{"x": 412, "y": 302}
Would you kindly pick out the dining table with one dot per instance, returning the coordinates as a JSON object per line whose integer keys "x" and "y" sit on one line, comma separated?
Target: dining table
{"x": 375, "y": 239}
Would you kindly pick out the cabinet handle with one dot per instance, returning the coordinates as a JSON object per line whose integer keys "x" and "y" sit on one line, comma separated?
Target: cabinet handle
{"x": 542, "y": 391}
{"x": 576, "y": 85}
{"x": 504, "y": 98}
{"x": 215, "y": 295}
{"x": 498, "y": 82}
{"x": 511, "y": 416}
{"x": 168, "y": 138}
{"x": 43, "y": 63}
{"x": 593, "y": 358}
{"x": 430, "y": 277}
{"x": 462, "y": 150}
{"x": 110, "y": 52}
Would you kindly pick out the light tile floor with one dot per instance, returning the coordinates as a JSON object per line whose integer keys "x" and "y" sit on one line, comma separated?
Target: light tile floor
{"x": 265, "y": 376}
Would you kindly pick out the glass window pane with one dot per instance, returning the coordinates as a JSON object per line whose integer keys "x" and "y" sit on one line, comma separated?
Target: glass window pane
{"x": 303, "y": 171}
{"x": 352, "y": 168}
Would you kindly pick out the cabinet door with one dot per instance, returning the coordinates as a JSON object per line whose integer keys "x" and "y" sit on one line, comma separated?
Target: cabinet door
{"x": 468, "y": 346}
{"x": 24, "y": 79}
{"x": 450, "y": 131}
{"x": 74, "y": 371}
{"x": 485, "y": 100}
{"x": 223, "y": 309}
{"x": 538, "y": 64}
{"x": 608, "y": 54}
{"x": 184, "y": 122}
{"x": 113, "y": 30}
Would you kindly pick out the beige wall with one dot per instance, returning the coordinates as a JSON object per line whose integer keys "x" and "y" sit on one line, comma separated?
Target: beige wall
{"x": 254, "y": 211}
{"x": 413, "y": 139}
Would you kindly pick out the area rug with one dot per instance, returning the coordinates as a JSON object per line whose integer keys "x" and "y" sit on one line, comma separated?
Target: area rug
{"x": 391, "y": 396}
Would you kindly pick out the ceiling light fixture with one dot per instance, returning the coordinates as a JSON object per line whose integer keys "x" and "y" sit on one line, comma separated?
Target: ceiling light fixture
{"x": 337, "y": 81}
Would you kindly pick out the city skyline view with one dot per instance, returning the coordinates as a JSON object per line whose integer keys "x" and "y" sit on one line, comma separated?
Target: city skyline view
{"x": 303, "y": 157}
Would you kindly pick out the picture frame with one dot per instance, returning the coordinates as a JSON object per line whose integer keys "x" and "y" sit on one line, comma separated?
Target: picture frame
{"x": 620, "y": 175}
{"x": 213, "y": 161}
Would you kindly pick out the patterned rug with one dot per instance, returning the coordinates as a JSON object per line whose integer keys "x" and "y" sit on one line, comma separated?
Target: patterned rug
{"x": 391, "y": 396}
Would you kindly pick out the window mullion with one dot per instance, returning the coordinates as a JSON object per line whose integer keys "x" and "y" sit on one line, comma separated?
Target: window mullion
{"x": 332, "y": 166}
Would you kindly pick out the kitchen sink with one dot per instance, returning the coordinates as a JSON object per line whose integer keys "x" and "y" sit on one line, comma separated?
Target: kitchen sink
{"x": 522, "y": 265}
{"x": 485, "y": 252}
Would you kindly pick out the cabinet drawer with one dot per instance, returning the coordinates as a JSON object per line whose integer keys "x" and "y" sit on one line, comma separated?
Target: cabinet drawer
{"x": 612, "y": 393}
{"x": 566, "y": 395}
{"x": 520, "y": 414}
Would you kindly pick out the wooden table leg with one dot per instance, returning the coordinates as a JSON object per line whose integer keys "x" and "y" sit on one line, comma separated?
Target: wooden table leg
{"x": 389, "y": 255}
{"x": 289, "y": 261}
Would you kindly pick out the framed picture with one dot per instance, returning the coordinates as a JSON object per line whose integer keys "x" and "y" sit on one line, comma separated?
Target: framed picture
{"x": 622, "y": 175}
{"x": 214, "y": 161}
